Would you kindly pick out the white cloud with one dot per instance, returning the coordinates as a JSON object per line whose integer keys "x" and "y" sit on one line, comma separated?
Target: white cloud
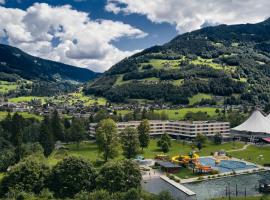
{"x": 2, "y": 2}
{"x": 66, "y": 35}
{"x": 188, "y": 15}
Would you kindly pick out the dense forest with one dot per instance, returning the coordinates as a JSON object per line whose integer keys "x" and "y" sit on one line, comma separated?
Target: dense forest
{"x": 228, "y": 61}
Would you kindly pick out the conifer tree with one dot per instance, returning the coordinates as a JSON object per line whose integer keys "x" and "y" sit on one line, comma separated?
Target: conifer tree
{"x": 46, "y": 137}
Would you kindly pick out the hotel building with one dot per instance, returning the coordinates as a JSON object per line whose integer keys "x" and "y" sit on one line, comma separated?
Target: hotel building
{"x": 177, "y": 129}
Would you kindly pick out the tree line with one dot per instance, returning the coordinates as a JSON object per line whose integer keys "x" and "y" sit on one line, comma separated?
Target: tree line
{"x": 20, "y": 137}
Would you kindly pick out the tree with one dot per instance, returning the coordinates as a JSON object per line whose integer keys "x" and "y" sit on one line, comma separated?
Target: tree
{"x": 107, "y": 138}
{"x": 16, "y": 134}
{"x": 7, "y": 158}
{"x": 31, "y": 132}
{"x": 200, "y": 138}
{"x": 57, "y": 127}
{"x": 72, "y": 175}
{"x": 143, "y": 130}
{"x": 77, "y": 131}
{"x": 29, "y": 175}
{"x": 31, "y": 149}
{"x": 199, "y": 146}
{"x": 101, "y": 115}
{"x": 46, "y": 137}
{"x": 7, "y": 127}
{"x": 132, "y": 194}
{"x": 119, "y": 176}
{"x": 164, "y": 143}
{"x": 144, "y": 112}
{"x": 165, "y": 147}
{"x": 130, "y": 142}
{"x": 218, "y": 138}
{"x": 165, "y": 196}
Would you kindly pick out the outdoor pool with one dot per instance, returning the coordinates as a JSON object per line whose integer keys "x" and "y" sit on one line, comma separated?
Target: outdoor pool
{"x": 209, "y": 189}
{"x": 226, "y": 165}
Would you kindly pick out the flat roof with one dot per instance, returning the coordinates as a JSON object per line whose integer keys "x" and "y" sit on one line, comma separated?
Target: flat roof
{"x": 167, "y": 164}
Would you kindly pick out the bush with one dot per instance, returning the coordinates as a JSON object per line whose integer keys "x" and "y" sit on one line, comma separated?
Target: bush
{"x": 29, "y": 175}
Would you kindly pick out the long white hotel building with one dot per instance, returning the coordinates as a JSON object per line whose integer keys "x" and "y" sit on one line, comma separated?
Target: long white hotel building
{"x": 177, "y": 129}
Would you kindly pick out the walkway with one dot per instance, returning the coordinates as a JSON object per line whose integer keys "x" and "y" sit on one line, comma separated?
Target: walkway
{"x": 242, "y": 149}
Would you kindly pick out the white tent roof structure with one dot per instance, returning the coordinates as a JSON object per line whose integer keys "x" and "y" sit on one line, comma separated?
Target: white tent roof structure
{"x": 268, "y": 116}
{"x": 256, "y": 123}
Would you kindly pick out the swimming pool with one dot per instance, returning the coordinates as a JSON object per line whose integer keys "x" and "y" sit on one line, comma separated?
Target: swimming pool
{"x": 226, "y": 165}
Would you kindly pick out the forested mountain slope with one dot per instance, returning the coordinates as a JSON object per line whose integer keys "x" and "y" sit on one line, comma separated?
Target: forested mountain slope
{"x": 230, "y": 61}
{"x": 48, "y": 77}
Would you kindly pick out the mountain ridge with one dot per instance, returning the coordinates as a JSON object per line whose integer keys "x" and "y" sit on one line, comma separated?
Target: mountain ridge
{"x": 230, "y": 61}
{"x": 15, "y": 61}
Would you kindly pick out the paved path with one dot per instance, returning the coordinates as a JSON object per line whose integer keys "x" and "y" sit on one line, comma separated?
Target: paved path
{"x": 152, "y": 173}
{"x": 242, "y": 149}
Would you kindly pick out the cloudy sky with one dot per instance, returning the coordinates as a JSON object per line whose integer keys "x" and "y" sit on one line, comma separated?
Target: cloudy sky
{"x": 98, "y": 33}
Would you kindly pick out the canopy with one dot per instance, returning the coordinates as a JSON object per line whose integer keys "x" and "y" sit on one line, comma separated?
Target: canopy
{"x": 268, "y": 116}
{"x": 267, "y": 139}
{"x": 256, "y": 123}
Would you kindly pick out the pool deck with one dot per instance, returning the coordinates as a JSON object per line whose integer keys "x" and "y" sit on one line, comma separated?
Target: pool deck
{"x": 227, "y": 174}
{"x": 178, "y": 186}
{"x": 223, "y": 175}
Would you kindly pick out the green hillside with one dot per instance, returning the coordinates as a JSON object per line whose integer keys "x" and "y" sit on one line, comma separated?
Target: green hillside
{"x": 213, "y": 65}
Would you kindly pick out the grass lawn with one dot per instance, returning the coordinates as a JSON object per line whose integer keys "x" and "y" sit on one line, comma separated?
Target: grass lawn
{"x": 24, "y": 114}
{"x": 87, "y": 100}
{"x": 253, "y": 154}
{"x": 120, "y": 81}
{"x": 90, "y": 151}
{"x": 210, "y": 63}
{"x": 180, "y": 113}
{"x": 86, "y": 150}
{"x": 179, "y": 148}
{"x": 186, "y": 173}
{"x": 198, "y": 97}
{"x": 161, "y": 63}
{"x": 26, "y": 99}
{"x": 178, "y": 82}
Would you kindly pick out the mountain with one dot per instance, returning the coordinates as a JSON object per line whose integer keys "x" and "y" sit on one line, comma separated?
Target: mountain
{"x": 15, "y": 61}
{"x": 228, "y": 63}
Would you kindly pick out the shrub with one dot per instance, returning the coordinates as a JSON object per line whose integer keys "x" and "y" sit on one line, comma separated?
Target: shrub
{"x": 29, "y": 175}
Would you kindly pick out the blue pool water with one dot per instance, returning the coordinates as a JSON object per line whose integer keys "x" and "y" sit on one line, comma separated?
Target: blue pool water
{"x": 226, "y": 165}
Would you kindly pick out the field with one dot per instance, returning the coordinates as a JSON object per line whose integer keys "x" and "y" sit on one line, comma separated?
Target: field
{"x": 5, "y": 86}
{"x": 180, "y": 113}
{"x": 87, "y": 100}
{"x": 198, "y": 97}
{"x": 26, "y": 99}
{"x": 210, "y": 63}
{"x": 24, "y": 114}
